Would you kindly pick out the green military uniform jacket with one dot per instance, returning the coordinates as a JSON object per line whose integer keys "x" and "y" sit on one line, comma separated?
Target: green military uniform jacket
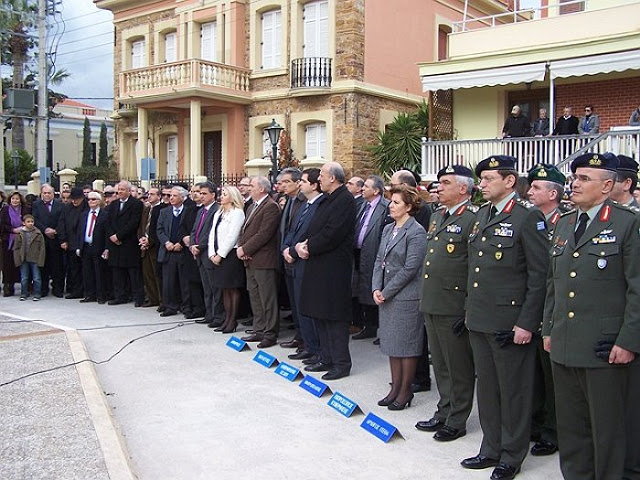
{"x": 508, "y": 260}
{"x": 594, "y": 286}
{"x": 445, "y": 269}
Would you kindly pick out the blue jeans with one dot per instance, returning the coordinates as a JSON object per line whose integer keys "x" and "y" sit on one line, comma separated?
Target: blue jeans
{"x": 25, "y": 268}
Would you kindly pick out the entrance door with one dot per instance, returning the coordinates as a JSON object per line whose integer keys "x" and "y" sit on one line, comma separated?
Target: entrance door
{"x": 213, "y": 155}
{"x": 172, "y": 156}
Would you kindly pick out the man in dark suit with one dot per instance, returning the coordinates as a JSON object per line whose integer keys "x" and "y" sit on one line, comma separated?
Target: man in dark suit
{"x": 567, "y": 124}
{"x": 592, "y": 322}
{"x": 91, "y": 236}
{"x": 148, "y": 240}
{"x": 193, "y": 297}
{"x": 122, "y": 243}
{"x": 310, "y": 188}
{"x": 508, "y": 260}
{"x": 444, "y": 288}
{"x": 170, "y": 253}
{"x": 46, "y": 212}
{"x": 69, "y": 241}
{"x": 199, "y": 246}
{"x": 258, "y": 248}
{"x": 326, "y": 285}
{"x": 370, "y": 220}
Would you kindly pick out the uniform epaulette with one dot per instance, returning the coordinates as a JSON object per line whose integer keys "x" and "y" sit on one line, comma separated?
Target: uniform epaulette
{"x": 441, "y": 208}
{"x": 628, "y": 208}
{"x": 485, "y": 204}
{"x": 524, "y": 203}
{"x": 573, "y": 210}
{"x": 473, "y": 208}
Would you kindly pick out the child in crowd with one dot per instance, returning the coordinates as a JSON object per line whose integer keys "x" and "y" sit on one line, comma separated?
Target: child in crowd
{"x": 29, "y": 254}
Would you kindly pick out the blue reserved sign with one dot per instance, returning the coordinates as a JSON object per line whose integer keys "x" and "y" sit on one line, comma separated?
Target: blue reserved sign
{"x": 265, "y": 359}
{"x": 313, "y": 386}
{"x": 287, "y": 371}
{"x": 237, "y": 344}
{"x": 342, "y": 404}
{"x": 379, "y": 428}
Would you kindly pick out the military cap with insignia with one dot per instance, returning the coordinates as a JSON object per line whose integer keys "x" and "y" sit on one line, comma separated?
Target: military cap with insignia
{"x": 547, "y": 172}
{"x": 603, "y": 161}
{"x": 627, "y": 164}
{"x": 455, "y": 170}
{"x": 496, "y": 162}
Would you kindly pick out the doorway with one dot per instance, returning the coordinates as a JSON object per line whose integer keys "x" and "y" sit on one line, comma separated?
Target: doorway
{"x": 213, "y": 155}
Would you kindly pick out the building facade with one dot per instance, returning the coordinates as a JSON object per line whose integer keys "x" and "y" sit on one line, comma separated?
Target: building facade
{"x": 198, "y": 81}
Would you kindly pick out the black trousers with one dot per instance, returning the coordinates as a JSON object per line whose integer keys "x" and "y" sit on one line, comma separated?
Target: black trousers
{"x": 94, "y": 273}
{"x": 128, "y": 276}
{"x": 334, "y": 343}
{"x": 53, "y": 270}
{"x": 175, "y": 287}
{"x": 74, "y": 274}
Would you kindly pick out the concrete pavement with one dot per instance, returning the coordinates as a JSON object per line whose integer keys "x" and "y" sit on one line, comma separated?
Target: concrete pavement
{"x": 188, "y": 407}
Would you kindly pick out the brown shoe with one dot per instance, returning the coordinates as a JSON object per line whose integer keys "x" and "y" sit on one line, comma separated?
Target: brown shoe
{"x": 252, "y": 338}
{"x": 266, "y": 343}
{"x": 291, "y": 344}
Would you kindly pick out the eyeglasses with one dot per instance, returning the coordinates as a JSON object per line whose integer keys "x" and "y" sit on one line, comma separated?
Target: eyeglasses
{"x": 108, "y": 194}
{"x": 92, "y": 198}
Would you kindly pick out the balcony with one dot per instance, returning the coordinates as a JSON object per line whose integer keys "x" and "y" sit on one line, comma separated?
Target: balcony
{"x": 186, "y": 78}
{"x": 314, "y": 72}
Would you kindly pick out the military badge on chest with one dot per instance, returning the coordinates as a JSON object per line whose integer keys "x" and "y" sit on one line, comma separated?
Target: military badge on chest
{"x": 504, "y": 230}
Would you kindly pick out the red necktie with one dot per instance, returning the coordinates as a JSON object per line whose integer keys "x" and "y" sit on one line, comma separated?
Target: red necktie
{"x": 93, "y": 221}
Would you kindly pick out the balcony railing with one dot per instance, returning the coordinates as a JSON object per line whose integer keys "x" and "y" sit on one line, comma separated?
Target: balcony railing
{"x": 311, "y": 72}
{"x": 557, "y": 150}
{"x": 171, "y": 77}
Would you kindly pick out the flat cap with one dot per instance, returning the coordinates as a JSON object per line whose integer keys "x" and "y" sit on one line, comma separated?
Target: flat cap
{"x": 455, "y": 170}
{"x": 602, "y": 161}
{"x": 496, "y": 162}
{"x": 544, "y": 171}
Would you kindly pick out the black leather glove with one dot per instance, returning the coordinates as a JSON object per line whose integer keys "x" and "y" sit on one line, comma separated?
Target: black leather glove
{"x": 603, "y": 349}
{"x": 459, "y": 327}
{"x": 504, "y": 337}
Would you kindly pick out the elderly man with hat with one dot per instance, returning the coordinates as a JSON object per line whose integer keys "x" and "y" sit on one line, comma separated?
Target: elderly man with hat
{"x": 592, "y": 320}
{"x": 545, "y": 192}
{"x": 626, "y": 182}
{"x": 508, "y": 260}
{"x": 444, "y": 288}
{"x": 70, "y": 241}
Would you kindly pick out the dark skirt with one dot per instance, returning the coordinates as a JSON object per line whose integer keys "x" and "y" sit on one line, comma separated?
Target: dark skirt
{"x": 230, "y": 273}
{"x": 10, "y": 273}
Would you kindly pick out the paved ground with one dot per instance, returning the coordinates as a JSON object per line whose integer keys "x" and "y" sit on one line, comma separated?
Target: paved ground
{"x": 188, "y": 407}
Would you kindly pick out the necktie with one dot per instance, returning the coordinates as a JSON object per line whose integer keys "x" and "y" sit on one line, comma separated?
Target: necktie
{"x": 176, "y": 212}
{"x": 121, "y": 205}
{"x": 446, "y": 216}
{"x": 582, "y": 226}
{"x": 287, "y": 213}
{"x": 49, "y": 206}
{"x": 493, "y": 212}
{"x": 362, "y": 230}
{"x": 92, "y": 223}
{"x": 200, "y": 224}
{"x": 303, "y": 214}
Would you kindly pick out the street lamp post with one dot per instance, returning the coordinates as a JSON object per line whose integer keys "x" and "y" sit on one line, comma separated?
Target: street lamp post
{"x": 274, "y": 131}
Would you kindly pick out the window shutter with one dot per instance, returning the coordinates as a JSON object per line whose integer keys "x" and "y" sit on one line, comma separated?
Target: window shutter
{"x": 208, "y": 34}
{"x": 137, "y": 54}
{"x": 170, "y": 47}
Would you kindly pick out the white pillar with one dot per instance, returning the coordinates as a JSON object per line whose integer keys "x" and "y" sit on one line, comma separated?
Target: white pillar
{"x": 143, "y": 134}
{"x": 195, "y": 136}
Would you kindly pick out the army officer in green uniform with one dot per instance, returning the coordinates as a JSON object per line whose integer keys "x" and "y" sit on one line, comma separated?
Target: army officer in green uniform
{"x": 592, "y": 321}
{"x": 508, "y": 260}
{"x": 444, "y": 288}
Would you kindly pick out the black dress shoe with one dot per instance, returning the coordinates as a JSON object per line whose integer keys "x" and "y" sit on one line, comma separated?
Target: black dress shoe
{"x": 364, "y": 333}
{"x": 168, "y": 313}
{"x": 317, "y": 367}
{"x": 504, "y": 472}
{"x": 311, "y": 360}
{"x": 543, "y": 448}
{"x": 59, "y": 294}
{"x": 420, "y": 387}
{"x": 139, "y": 304}
{"x": 102, "y": 301}
{"x": 479, "y": 462}
{"x": 160, "y": 308}
{"x": 300, "y": 355}
{"x": 252, "y": 338}
{"x": 290, "y": 344}
{"x": 88, "y": 300}
{"x": 192, "y": 315}
{"x": 447, "y": 434}
{"x": 431, "y": 425}
{"x": 335, "y": 374}
{"x": 73, "y": 296}
{"x": 148, "y": 304}
{"x": 116, "y": 302}
{"x": 266, "y": 343}
{"x": 376, "y": 342}
{"x": 204, "y": 320}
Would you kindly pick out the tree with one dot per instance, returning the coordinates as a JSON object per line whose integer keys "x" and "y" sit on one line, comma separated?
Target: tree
{"x": 87, "y": 152}
{"x": 26, "y": 166}
{"x": 103, "y": 156}
{"x": 399, "y": 147}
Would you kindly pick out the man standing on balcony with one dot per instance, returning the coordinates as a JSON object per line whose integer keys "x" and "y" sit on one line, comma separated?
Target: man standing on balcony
{"x": 590, "y": 123}
{"x": 541, "y": 125}
{"x": 567, "y": 124}
{"x": 517, "y": 125}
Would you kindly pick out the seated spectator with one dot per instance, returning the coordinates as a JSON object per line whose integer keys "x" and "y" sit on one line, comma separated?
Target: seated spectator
{"x": 28, "y": 254}
{"x": 590, "y": 123}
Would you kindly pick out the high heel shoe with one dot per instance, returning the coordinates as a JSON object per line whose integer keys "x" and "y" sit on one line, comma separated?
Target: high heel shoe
{"x": 386, "y": 401}
{"x": 231, "y": 328}
{"x": 400, "y": 406}
{"x": 219, "y": 329}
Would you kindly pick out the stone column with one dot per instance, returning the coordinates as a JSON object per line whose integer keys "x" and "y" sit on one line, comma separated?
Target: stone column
{"x": 195, "y": 136}
{"x": 143, "y": 143}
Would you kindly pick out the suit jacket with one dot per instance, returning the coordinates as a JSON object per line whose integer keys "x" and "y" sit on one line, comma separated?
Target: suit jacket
{"x": 594, "y": 287}
{"x": 594, "y": 125}
{"x": 165, "y": 221}
{"x": 397, "y": 268}
{"x": 227, "y": 232}
{"x": 289, "y": 212}
{"x": 297, "y": 233}
{"x": 423, "y": 215}
{"x": 203, "y": 237}
{"x": 508, "y": 260}
{"x": 47, "y": 219}
{"x": 68, "y": 224}
{"x": 326, "y": 285}
{"x": 258, "y": 236}
{"x": 361, "y": 282}
{"x": 124, "y": 224}
{"x": 99, "y": 230}
{"x": 568, "y": 126}
{"x": 446, "y": 264}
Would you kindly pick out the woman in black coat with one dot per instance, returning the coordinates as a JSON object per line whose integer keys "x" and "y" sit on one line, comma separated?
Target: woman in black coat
{"x": 10, "y": 223}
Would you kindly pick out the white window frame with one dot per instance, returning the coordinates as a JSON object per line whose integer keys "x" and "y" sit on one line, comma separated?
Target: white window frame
{"x": 315, "y": 140}
{"x": 316, "y": 29}
{"x": 209, "y": 41}
{"x": 170, "y": 47}
{"x": 172, "y": 156}
{"x": 138, "y": 54}
{"x": 271, "y": 39}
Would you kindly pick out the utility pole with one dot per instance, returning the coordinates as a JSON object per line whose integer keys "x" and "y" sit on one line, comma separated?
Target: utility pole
{"x": 43, "y": 95}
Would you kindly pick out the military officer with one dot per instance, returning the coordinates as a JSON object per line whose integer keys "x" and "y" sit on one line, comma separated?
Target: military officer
{"x": 444, "y": 288}
{"x": 592, "y": 321}
{"x": 626, "y": 182}
{"x": 545, "y": 192}
{"x": 508, "y": 259}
